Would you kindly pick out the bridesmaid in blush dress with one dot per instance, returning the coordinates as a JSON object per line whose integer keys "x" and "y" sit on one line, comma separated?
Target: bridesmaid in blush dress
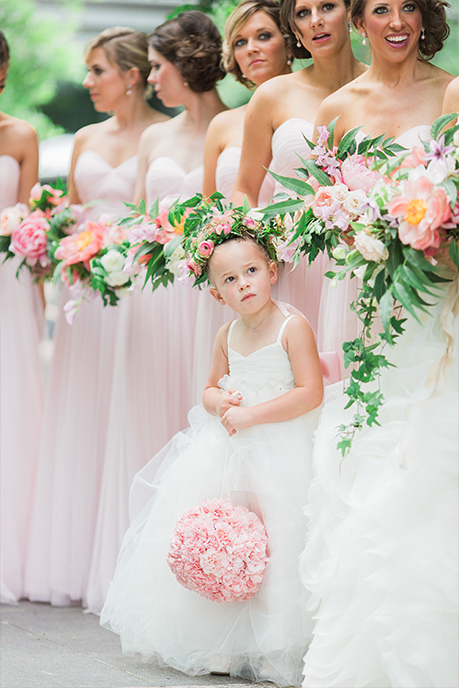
{"x": 151, "y": 392}
{"x": 282, "y": 112}
{"x": 21, "y": 378}
{"x": 254, "y": 50}
{"x": 103, "y": 168}
{"x": 381, "y": 558}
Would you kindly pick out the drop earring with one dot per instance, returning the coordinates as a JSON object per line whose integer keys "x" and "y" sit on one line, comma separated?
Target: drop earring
{"x": 289, "y": 60}
{"x": 423, "y": 34}
{"x": 364, "y": 37}
{"x": 350, "y": 28}
{"x": 298, "y": 42}
{"x": 129, "y": 91}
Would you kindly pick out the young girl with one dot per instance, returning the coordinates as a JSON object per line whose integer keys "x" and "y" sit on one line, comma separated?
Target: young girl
{"x": 249, "y": 443}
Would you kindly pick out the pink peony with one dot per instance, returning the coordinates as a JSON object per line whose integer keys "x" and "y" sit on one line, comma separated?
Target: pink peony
{"x": 83, "y": 246}
{"x": 219, "y": 551}
{"x": 415, "y": 158}
{"x": 30, "y": 239}
{"x": 356, "y": 174}
{"x": 421, "y": 211}
{"x": 325, "y": 203}
{"x": 205, "y": 248}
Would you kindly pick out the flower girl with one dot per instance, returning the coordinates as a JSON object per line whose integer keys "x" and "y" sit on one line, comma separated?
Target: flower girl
{"x": 249, "y": 444}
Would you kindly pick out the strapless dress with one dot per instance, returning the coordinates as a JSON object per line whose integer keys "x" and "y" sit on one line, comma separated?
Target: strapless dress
{"x": 75, "y": 425}
{"x": 381, "y": 559}
{"x": 151, "y": 391}
{"x": 21, "y": 400}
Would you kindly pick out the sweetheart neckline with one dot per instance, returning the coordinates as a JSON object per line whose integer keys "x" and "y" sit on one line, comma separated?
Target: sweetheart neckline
{"x": 113, "y": 167}
{"x": 164, "y": 157}
{"x": 256, "y": 350}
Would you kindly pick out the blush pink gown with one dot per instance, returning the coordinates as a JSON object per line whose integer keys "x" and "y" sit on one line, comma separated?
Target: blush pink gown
{"x": 76, "y": 417}
{"x": 151, "y": 393}
{"x": 21, "y": 401}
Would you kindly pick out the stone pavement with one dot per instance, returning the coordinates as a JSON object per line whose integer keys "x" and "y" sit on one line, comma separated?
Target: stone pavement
{"x": 61, "y": 647}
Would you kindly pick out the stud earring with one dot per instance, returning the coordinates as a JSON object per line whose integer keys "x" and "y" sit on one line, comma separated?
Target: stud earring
{"x": 298, "y": 42}
{"x": 129, "y": 91}
{"x": 423, "y": 34}
{"x": 185, "y": 83}
{"x": 364, "y": 36}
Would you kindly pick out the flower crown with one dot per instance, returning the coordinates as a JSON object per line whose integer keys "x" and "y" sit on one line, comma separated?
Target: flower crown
{"x": 232, "y": 223}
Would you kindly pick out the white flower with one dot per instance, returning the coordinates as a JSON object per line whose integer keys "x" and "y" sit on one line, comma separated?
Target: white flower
{"x": 456, "y": 138}
{"x": 355, "y": 202}
{"x": 371, "y": 248}
{"x": 255, "y": 214}
{"x": 340, "y": 253}
{"x": 113, "y": 261}
{"x": 176, "y": 260}
{"x": 360, "y": 271}
{"x": 117, "y": 278}
{"x": 339, "y": 192}
{"x": 10, "y": 218}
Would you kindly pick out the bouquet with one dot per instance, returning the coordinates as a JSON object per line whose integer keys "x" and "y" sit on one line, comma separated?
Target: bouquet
{"x": 219, "y": 551}
{"x": 381, "y": 213}
{"x": 33, "y": 232}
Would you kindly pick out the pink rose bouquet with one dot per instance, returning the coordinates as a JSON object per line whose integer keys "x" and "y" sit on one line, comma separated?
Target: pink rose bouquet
{"x": 219, "y": 550}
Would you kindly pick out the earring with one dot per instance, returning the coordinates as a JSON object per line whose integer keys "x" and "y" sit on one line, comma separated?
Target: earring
{"x": 350, "y": 28}
{"x": 129, "y": 91}
{"x": 298, "y": 43}
{"x": 185, "y": 83}
{"x": 423, "y": 34}
{"x": 243, "y": 75}
{"x": 289, "y": 62}
{"x": 364, "y": 36}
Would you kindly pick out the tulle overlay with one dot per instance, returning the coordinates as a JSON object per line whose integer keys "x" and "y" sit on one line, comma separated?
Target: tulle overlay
{"x": 21, "y": 401}
{"x": 381, "y": 560}
{"x": 265, "y": 468}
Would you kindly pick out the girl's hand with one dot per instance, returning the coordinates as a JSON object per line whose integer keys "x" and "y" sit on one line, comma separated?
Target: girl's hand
{"x": 237, "y": 418}
{"x": 227, "y": 400}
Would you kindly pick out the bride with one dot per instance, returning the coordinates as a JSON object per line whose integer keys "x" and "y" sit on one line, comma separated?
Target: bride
{"x": 381, "y": 556}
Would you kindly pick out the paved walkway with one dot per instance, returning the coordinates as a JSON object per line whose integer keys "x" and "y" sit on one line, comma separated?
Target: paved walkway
{"x": 60, "y": 647}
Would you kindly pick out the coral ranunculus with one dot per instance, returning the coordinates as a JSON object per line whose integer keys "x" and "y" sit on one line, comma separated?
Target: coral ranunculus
{"x": 421, "y": 210}
{"x": 30, "y": 239}
{"x": 83, "y": 246}
{"x": 219, "y": 550}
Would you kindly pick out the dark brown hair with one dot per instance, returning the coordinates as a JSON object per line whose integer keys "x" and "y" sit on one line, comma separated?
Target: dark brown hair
{"x": 192, "y": 43}
{"x": 289, "y": 26}
{"x": 4, "y": 51}
{"x": 236, "y": 20}
{"x": 433, "y": 20}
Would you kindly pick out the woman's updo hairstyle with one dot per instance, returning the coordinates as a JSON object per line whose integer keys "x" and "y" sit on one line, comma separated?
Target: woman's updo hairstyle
{"x": 235, "y": 22}
{"x": 124, "y": 48}
{"x": 433, "y": 20}
{"x": 4, "y": 51}
{"x": 289, "y": 26}
{"x": 192, "y": 43}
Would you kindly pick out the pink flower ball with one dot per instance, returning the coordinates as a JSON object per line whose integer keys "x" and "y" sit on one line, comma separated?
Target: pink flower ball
{"x": 30, "y": 239}
{"x": 356, "y": 174}
{"x": 205, "y": 248}
{"x": 219, "y": 551}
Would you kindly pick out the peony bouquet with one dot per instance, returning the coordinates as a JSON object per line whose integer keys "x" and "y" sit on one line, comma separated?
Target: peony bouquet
{"x": 219, "y": 550}
{"x": 383, "y": 213}
{"x": 32, "y": 232}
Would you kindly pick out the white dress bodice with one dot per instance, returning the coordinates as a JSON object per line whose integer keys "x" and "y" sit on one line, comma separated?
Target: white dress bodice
{"x": 97, "y": 180}
{"x": 9, "y": 181}
{"x": 165, "y": 179}
{"x": 410, "y": 138}
{"x": 226, "y": 174}
{"x": 287, "y": 143}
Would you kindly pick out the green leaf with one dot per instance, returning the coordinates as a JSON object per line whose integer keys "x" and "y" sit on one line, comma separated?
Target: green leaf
{"x": 450, "y": 188}
{"x": 246, "y": 206}
{"x": 331, "y": 129}
{"x": 317, "y": 173}
{"x": 348, "y": 143}
{"x": 454, "y": 253}
{"x": 282, "y": 208}
{"x": 440, "y": 123}
{"x": 142, "y": 207}
{"x": 385, "y": 309}
{"x": 170, "y": 247}
{"x": 404, "y": 297}
{"x": 154, "y": 209}
{"x": 296, "y": 185}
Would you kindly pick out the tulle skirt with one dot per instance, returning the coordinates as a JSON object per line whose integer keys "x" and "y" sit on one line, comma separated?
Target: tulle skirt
{"x": 150, "y": 399}
{"x": 21, "y": 409}
{"x": 381, "y": 560}
{"x": 265, "y": 468}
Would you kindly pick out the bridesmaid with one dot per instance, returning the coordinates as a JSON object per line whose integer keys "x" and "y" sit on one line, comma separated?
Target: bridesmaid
{"x": 21, "y": 378}
{"x": 151, "y": 392}
{"x": 283, "y": 111}
{"x": 381, "y": 556}
{"x": 104, "y": 166}
{"x": 254, "y": 50}
{"x": 451, "y": 101}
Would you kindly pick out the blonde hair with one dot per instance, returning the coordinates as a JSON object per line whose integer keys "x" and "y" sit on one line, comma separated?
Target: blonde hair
{"x": 124, "y": 48}
{"x": 236, "y": 20}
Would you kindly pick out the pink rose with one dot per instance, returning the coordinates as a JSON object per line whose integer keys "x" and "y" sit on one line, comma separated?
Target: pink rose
{"x": 356, "y": 174}
{"x": 191, "y": 265}
{"x": 422, "y": 210}
{"x": 205, "y": 248}
{"x": 30, "y": 239}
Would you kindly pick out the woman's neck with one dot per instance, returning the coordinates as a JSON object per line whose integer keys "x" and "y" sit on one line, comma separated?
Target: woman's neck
{"x": 395, "y": 74}
{"x": 131, "y": 112}
{"x": 337, "y": 70}
{"x": 201, "y": 108}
